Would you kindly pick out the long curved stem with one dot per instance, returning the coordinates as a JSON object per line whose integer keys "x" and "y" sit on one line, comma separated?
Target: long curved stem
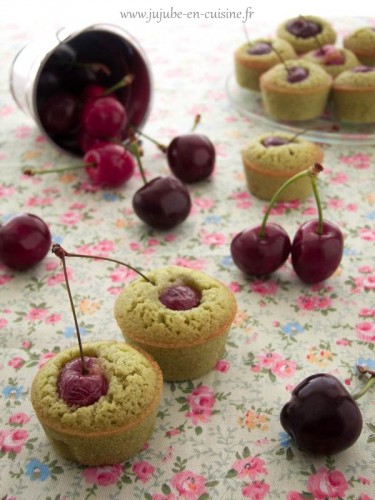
{"x": 133, "y": 148}
{"x": 35, "y": 171}
{"x": 162, "y": 147}
{"x": 318, "y": 204}
{"x": 365, "y": 388}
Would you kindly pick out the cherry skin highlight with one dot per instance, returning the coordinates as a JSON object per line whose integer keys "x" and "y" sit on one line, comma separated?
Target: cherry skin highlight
{"x": 191, "y": 157}
{"x": 273, "y": 140}
{"x": 258, "y": 256}
{"x": 82, "y": 389}
{"x": 315, "y": 257}
{"x": 321, "y": 416}
{"x": 180, "y": 297}
{"x": 104, "y": 117}
{"x": 260, "y": 49}
{"x": 162, "y": 203}
{"x": 303, "y": 28}
{"x": 114, "y": 165}
{"x": 297, "y": 74}
{"x": 25, "y": 240}
{"x": 59, "y": 114}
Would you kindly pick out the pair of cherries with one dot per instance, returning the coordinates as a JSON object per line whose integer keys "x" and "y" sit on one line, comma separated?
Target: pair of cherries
{"x": 316, "y": 250}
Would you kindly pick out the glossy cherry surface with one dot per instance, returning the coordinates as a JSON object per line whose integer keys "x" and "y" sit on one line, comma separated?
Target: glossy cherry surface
{"x": 273, "y": 140}
{"x": 315, "y": 257}
{"x": 297, "y": 74}
{"x": 82, "y": 389}
{"x": 260, "y": 49}
{"x": 258, "y": 256}
{"x": 334, "y": 58}
{"x": 113, "y": 165}
{"x": 191, "y": 157}
{"x": 59, "y": 113}
{"x": 321, "y": 416}
{"x": 25, "y": 240}
{"x": 104, "y": 117}
{"x": 303, "y": 28}
{"x": 162, "y": 203}
{"x": 180, "y": 297}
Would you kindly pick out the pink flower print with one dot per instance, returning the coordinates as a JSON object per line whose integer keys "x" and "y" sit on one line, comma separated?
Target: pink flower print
{"x": 70, "y": 218}
{"x": 234, "y": 286}
{"x": 269, "y": 359}
{"x": 352, "y": 207}
{"x": 37, "y": 201}
{"x": 173, "y": 432}
{"x": 102, "y": 476}
{"x": 284, "y": 368}
{"x": 363, "y": 480}
{"x": 16, "y": 362}
{"x": 160, "y": 496}
{"x": 13, "y": 440}
{"x": 6, "y": 110}
{"x": 198, "y": 264}
{"x": 104, "y": 248}
{"x": 264, "y": 287}
{"x": 222, "y": 366}
{"x": 251, "y": 467}
{"x": 5, "y": 278}
{"x": 366, "y": 331}
{"x": 339, "y": 178}
{"x": 294, "y": 495}
{"x": 53, "y": 318}
{"x": 369, "y": 282}
{"x": 322, "y": 302}
{"x": 306, "y": 303}
{"x": 256, "y": 490}
{"x": 45, "y": 357}
{"x": 26, "y": 344}
{"x": 7, "y": 191}
{"x": 201, "y": 204}
{"x": 3, "y": 323}
{"x": 59, "y": 278}
{"x": 212, "y": 239}
{"x": 152, "y": 242}
{"x": 19, "y": 418}
{"x": 343, "y": 342}
{"x": 135, "y": 246}
{"x": 367, "y": 234}
{"x": 189, "y": 485}
{"x": 327, "y": 484}
{"x": 358, "y": 160}
{"x": 114, "y": 291}
{"x": 310, "y": 211}
{"x": 169, "y": 237}
{"x": 77, "y": 206}
{"x": 51, "y": 265}
{"x": 363, "y": 496}
{"x": 365, "y": 312}
{"x": 22, "y": 131}
{"x": 334, "y": 203}
{"x": 123, "y": 275}
{"x": 243, "y": 199}
{"x": 201, "y": 402}
{"x": 36, "y": 314}
{"x": 143, "y": 471}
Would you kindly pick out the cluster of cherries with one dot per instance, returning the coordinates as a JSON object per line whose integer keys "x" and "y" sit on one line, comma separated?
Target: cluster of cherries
{"x": 316, "y": 249}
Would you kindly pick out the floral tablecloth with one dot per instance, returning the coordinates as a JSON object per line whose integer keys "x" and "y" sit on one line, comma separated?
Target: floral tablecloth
{"x": 218, "y": 436}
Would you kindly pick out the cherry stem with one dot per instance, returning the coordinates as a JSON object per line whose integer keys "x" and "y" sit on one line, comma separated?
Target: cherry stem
{"x": 318, "y": 203}
{"x": 133, "y": 148}
{"x": 197, "y": 121}
{"x": 161, "y": 146}
{"x": 282, "y": 60}
{"x": 246, "y": 34}
{"x": 365, "y": 388}
{"x": 311, "y": 171}
{"x": 124, "y": 82}
{"x": 60, "y": 253}
{"x": 320, "y": 46}
{"x": 34, "y": 171}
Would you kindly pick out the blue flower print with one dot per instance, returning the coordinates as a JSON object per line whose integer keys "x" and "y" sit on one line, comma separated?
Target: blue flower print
{"x": 292, "y": 328}
{"x": 37, "y": 471}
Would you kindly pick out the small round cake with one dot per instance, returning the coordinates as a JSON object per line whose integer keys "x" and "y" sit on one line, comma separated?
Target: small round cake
{"x": 332, "y": 59}
{"x": 119, "y": 423}
{"x": 297, "y": 91}
{"x": 254, "y": 58}
{"x": 362, "y": 43}
{"x": 353, "y": 95}
{"x": 274, "y": 157}
{"x": 306, "y": 33}
{"x": 182, "y": 319}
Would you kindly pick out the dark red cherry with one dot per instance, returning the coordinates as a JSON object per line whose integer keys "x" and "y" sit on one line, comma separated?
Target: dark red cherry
{"x": 180, "y": 297}
{"x": 273, "y": 140}
{"x": 104, "y": 117}
{"x": 162, "y": 203}
{"x": 321, "y": 416}
{"x": 87, "y": 142}
{"x": 297, "y": 74}
{"x": 92, "y": 91}
{"x": 260, "y": 49}
{"x": 82, "y": 389}
{"x": 258, "y": 256}
{"x": 59, "y": 113}
{"x": 334, "y": 58}
{"x": 315, "y": 257}
{"x": 113, "y": 165}
{"x": 25, "y": 240}
{"x": 191, "y": 157}
{"x": 303, "y": 28}
{"x": 363, "y": 69}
